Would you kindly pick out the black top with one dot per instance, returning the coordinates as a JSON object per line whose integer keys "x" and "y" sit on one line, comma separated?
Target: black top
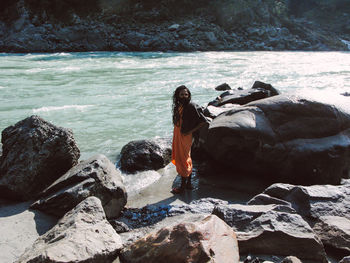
{"x": 191, "y": 117}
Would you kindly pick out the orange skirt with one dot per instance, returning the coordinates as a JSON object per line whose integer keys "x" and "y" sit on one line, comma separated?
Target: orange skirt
{"x": 181, "y": 152}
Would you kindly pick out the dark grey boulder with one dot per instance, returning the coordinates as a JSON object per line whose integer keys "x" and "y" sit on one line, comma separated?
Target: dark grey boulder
{"x": 223, "y": 86}
{"x": 34, "y": 154}
{"x": 284, "y": 138}
{"x": 259, "y": 85}
{"x": 144, "y": 155}
{"x": 272, "y": 229}
{"x": 259, "y": 90}
{"x": 82, "y": 235}
{"x": 96, "y": 176}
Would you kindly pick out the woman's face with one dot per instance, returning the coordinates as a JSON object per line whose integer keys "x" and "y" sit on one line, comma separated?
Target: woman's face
{"x": 184, "y": 94}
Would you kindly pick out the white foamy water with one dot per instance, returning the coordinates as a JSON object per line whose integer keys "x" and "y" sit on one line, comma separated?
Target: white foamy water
{"x": 111, "y": 98}
{"x": 65, "y": 107}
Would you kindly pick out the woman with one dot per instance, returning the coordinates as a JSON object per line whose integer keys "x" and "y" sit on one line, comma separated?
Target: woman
{"x": 188, "y": 117}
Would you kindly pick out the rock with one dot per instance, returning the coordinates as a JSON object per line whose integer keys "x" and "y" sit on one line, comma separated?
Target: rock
{"x": 143, "y": 155}
{"x": 223, "y": 86}
{"x": 345, "y": 260}
{"x": 272, "y": 229}
{"x": 82, "y": 235}
{"x": 291, "y": 259}
{"x": 264, "y": 199}
{"x": 259, "y": 91}
{"x": 35, "y": 153}
{"x": 119, "y": 226}
{"x": 264, "y": 86}
{"x": 287, "y": 138}
{"x": 96, "y": 176}
{"x": 133, "y": 39}
{"x": 334, "y": 231}
{"x": 174, "y": 27}
{"x": 209, "y": 240}
{"x": 314, "y": 201}
{"x": 213, "y": 111}
{"x": 326, "y": 207}
{"x": 212, "y": 39}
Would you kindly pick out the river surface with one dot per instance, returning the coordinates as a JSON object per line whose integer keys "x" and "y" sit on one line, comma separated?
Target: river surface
{"x": 111, "y": 98}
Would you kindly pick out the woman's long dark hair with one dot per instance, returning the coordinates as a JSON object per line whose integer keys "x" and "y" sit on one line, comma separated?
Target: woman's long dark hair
{"x": 176, "y": 103}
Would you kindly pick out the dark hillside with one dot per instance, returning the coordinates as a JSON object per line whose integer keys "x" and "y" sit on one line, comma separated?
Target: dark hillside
{"x": 169, "y": 25}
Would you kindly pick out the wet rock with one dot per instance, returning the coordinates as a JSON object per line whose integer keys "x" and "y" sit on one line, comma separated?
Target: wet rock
{"x": 96, "y": 176}
{"x": 34, "y": 154}
{"x": 152, "y": 214}
{"x": 272, "y": 229}
{"x": 223, "y": 86}
{"x": 144, "y": 155}
{"x": 259, "y": 91}
{"x": 286, "y": 138}
{"x": 82, "y": 235}
{"x": 207, "y": 240}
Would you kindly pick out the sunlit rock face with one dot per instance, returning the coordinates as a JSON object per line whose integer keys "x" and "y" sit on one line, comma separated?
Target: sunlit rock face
{"x": 209, "y": 240}
{"x": 272, "y": 229}
{"x": 34, "y": 154}
{"x": 96, "y": 176}
{"x": 285, "y": 139}
{"x": 325, "y": 207}
{"x": 82, "y": 235}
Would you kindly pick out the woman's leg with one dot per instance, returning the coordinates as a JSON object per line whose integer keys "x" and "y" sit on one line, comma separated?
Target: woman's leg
{"x": 178, "y": 190}
{"x": 189, "y": 183}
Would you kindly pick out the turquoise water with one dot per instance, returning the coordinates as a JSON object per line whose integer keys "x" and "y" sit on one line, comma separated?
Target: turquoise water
{"x": 111, "y": 98}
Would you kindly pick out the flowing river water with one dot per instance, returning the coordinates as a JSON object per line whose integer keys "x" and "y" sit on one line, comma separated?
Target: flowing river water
{"x": 111, "y": 98}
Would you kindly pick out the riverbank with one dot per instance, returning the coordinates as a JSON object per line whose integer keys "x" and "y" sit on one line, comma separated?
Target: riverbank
{"x": 223, "y": 26}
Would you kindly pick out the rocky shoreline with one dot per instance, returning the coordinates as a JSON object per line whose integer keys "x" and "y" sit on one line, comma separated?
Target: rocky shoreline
{"x": 295, "y": 211}
{"x": 25, "y": 27}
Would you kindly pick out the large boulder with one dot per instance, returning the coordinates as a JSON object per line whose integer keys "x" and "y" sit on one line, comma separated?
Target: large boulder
{"x": 209, "y": 240}
{"x": 35, "y": 153}
{"x": 272, "y": 229}
{"x": 141, "y": 155}
{"x": 96, "y": 176}
{"x": 82, "y": 235}
{"x": 326, "y": 208}
{"x": 284, "y": 138}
